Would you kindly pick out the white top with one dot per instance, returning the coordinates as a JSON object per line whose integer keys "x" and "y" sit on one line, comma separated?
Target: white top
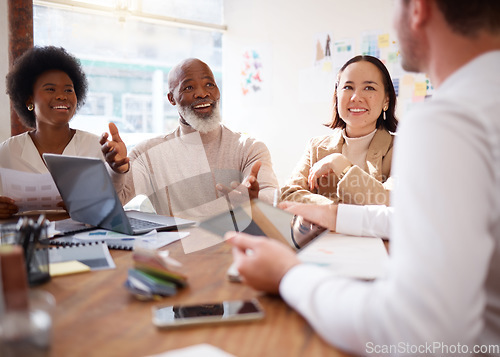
{"x": 355, "y": 149}
{"x": 443, "y": 281}
{"x": 20, "y": 153}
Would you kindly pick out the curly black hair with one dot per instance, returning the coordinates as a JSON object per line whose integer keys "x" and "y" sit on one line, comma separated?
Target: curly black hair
{"x": 30, "y": 65}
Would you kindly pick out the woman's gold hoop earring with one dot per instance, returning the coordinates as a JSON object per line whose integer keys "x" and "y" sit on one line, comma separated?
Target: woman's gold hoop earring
{"x": 30, "y": 107}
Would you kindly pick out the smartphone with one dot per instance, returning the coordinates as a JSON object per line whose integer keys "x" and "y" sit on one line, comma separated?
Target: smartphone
{"x": 225, "y": 311}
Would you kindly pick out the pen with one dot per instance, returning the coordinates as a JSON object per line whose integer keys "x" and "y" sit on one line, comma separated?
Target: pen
{"x": 231, "y": 212}
{"x": 276, "y": 197}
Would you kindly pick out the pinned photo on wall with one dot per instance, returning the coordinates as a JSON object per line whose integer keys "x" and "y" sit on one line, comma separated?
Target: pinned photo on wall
{"x": 255, "y": 73}
{"x": 323, "y": 50}
{"x": 370, "y": 43}
{"x": 343, "y": 50}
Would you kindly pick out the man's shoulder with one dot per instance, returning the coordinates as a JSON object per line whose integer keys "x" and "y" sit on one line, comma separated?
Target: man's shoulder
{"x": 237, "y": 136}
{"x": 242, "y": 142}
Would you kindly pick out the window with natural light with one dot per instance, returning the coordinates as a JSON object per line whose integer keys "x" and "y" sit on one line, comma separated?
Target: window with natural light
{"x": 127, "y": 48}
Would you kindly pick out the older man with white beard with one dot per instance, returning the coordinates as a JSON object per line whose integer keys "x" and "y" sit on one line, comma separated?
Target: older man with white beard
{"x": 186, "y": 172}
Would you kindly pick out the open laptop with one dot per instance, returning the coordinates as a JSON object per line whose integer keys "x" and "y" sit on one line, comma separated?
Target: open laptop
{"x": 88, "y": 193}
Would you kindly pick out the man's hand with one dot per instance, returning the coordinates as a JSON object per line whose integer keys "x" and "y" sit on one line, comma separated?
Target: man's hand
{"x": 250, "y": 182}
{"x": 8, "y": 207}
{"x": 333, "y": 163}
{"x": 261, "y": 262}
{"x": 238, "y": 191}
{"x": 323, "y": 215}
{"x": 115, "y": 150}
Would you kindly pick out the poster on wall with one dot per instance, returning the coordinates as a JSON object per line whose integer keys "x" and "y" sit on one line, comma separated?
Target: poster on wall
{"x": 255, "y": 74}
{"x": 343, "y": 51}
{"x": 323, "y": 48}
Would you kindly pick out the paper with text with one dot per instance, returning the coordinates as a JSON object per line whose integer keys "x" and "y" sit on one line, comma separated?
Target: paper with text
{"x": 31, "y": 191}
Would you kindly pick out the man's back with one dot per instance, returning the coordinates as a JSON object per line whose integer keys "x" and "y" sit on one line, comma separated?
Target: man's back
{"x": 451, "y": 150}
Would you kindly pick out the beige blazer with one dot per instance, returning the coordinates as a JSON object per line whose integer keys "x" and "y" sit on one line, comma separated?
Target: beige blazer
{"x": 357, "y": 186}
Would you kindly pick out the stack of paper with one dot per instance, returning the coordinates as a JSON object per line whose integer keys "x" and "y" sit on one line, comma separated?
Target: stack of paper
{"x": 154, "y": 274}
{"x": 348, "y": 256}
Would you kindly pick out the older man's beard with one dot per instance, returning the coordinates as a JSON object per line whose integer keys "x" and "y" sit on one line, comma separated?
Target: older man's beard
{"x": 201, "y": 123}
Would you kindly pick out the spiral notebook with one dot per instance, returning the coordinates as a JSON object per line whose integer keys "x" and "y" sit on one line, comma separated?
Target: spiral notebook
{"x": 119, "y": 244}
{"x": 94, "y": 255}
{"x": 151, "y": 240}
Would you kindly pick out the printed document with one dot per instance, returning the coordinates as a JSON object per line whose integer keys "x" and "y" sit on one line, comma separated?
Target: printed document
{"x": 32, "y": 192}
{"x": 349, "y": 256}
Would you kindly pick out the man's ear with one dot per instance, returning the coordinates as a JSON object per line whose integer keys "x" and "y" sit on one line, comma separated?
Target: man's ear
{"x": 170, "y": 98}
{"x": 420, "y": 11}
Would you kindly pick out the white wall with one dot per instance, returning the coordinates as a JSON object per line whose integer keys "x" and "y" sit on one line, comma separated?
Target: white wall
{"x": 288, "y": 31}
{"x": 4, "y": 68}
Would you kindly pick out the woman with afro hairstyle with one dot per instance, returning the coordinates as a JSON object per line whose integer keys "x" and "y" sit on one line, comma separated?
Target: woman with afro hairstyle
{"x": 46, "y": 86}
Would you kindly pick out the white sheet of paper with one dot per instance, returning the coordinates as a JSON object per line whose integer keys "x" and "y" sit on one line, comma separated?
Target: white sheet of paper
{"x": 203, "y": 349}
{"x": 354, "y": 257}
{"x": 30, "y": 191}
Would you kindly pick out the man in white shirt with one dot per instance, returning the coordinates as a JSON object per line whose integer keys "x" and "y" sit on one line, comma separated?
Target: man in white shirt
{"x": 441, "y": 295}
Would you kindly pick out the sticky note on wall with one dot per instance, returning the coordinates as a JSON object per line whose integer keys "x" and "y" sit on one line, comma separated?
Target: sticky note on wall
{"x": 420, "y": 89}
{"x": 383, "y": 40}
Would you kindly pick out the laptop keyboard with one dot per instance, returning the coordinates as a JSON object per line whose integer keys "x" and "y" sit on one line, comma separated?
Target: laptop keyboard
{"x": 139, "y": 224}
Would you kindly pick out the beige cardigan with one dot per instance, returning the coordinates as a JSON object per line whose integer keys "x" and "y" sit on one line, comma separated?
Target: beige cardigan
{"x": 178, "y": 172}
{"x": 357, "y": 186}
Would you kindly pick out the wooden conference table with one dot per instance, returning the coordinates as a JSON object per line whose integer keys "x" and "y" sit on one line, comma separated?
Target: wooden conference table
{"x": 96, "y": 316}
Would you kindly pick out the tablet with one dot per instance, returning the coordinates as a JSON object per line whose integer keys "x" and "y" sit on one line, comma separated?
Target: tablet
{"x": 262, "y": 219}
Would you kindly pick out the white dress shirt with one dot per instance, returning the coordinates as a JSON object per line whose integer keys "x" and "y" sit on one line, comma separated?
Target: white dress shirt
{"x": 442, "y": 291}
{"x": 367, "y": 221}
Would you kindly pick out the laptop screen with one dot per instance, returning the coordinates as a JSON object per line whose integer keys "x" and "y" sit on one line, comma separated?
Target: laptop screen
{"x": 87, "y": 191}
